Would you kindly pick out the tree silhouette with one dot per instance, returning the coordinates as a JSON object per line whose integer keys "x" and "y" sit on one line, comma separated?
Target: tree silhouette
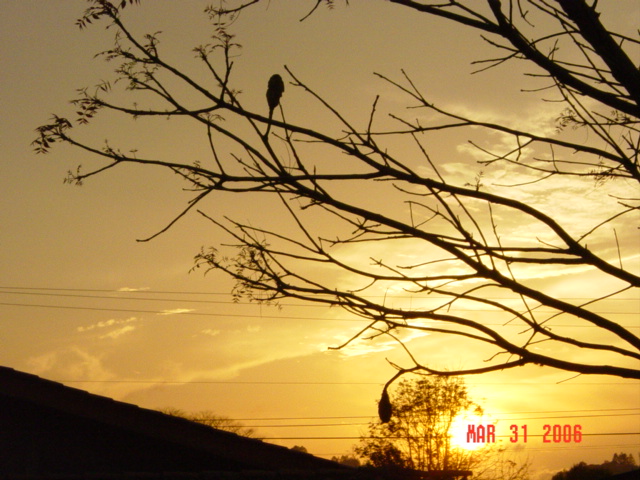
{"x": 418, "y": 436}
{"x": 418, "y": 433}
{"x": 582, "y": 471}
{"x": 469, "y": 247}
{"x": 210, "y": 419}
{"x": 620, "y": 463}
{"x": 349, "y": 460}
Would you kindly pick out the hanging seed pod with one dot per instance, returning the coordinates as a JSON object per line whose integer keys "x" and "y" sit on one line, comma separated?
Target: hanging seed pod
{"x": 384, "y": 407}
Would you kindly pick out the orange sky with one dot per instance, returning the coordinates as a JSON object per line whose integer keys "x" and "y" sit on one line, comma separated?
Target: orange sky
{"x": 82, "y": 302}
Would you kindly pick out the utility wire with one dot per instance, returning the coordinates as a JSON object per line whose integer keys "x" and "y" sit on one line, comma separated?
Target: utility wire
{"x": 235, "y": 315}
{"x": 486, "y": 413}
{"x": 307, "y": 383}
{"x": 606, "y": 434}
{"x": 197, "y": 417}
{"x": 31, "y": 291}
{"x": 361, "y": 424}
{"x": 345, "y": 417}
{"x": 167, "y": 313}
{"x": 174, "y": 292}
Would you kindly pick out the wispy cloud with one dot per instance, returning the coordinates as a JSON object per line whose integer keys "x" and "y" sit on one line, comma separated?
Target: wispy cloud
{"x": 106, "y": 324}
{"x": 119, "y": 332}
{"x": 365, "y": 346}
{"x": 116, "y": 327}
{"x": 176, "y": 311}
{"x": 70, "y": 363}
{"x": 211, "y": 332}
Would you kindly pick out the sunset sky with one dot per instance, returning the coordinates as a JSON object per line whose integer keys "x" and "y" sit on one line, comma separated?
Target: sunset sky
{"x": 82, "y": 302}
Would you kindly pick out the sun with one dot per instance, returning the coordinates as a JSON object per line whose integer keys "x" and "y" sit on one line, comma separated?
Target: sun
{"x": 464, "y": 431}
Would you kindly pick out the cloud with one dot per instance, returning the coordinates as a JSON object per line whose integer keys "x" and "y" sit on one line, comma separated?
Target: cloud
{"x": 119, "y": 332}
{"x": 107, "y": 324}
{"x": 133, "y": 289}
{"x": 115, "y": 327}
{"x": 539, "y": 119}
{"x": 366, "y": 346}
{"x": 176, "y": 311}
{"x": 210, "y": 332}
{"x": 71, "y": 363}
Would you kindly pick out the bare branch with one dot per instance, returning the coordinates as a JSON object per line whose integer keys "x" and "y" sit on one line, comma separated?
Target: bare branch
{"x": 470, "y": 253}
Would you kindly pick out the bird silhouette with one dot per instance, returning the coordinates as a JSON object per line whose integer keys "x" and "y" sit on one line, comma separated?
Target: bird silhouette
{"x": 274, "y": 92}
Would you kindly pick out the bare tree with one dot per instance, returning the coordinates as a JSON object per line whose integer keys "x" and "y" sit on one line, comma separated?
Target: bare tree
{"x": 474, "y": 246}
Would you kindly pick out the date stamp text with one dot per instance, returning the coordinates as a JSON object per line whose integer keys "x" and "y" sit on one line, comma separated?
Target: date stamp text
{"x": 520, "y": 433}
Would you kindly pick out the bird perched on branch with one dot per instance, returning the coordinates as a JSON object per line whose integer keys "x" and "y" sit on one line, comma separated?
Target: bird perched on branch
{"x": 274, "y": 92}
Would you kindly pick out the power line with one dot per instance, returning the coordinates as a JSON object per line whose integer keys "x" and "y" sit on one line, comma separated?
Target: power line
{"x": 258, "y": 315}
{"x": 572, "y": 413}
{"x": 360, "y": 424}
{"x": 32, "y": 292}
{"x": 123, "y": 290}
{"x": 307, "y": 383}
{"x": 175, "y": 292}
{"x": 554, "y": 447}
{"x": 128, "y": 298}
{"x": 348, "y": 417}
{"x": 197, "y": 417}
{"x": 222, "y": 382}
{"x": 606, "y": 434}
{"x": 486, "y": 413}
{"x": 166, "y": 313}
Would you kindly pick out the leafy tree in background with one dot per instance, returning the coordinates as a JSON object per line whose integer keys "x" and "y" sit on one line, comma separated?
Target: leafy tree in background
{"x": 582, "y": 471}
{"x": 419, "y": 434}
{"x": 472, "y": 246}
{"x": 210, "y": 419}
{"x": 620, "y": 463}
{"x": 348, "y": 460}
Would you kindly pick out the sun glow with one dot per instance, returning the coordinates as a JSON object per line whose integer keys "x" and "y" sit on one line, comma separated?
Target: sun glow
{"x": 461, "y": 429}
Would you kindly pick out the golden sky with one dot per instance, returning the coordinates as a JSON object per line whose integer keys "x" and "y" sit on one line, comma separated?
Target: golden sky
{"x": 83, "y": 303}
